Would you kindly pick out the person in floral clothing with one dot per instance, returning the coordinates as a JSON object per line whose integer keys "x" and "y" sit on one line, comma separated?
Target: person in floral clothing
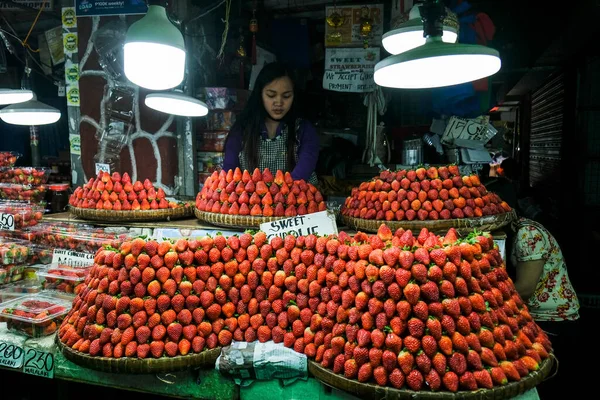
{"x": 542, "y": 281}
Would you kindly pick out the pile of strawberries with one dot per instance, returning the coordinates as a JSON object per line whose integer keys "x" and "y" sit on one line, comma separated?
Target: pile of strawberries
{"x": 238, "y": 193}
{"x": 423, "y": 313}
{"x": 116, "y": 192}
{"x": 424, "y": 194}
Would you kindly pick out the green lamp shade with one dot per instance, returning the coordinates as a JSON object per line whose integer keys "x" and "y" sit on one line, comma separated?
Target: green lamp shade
{"x": 31, "y": 112}
{"x": 437, "y": 64}
{"x": 154, "y": 51}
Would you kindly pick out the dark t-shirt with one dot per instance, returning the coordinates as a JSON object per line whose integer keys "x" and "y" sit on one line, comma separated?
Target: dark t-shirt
{"x": 507, "y": 190}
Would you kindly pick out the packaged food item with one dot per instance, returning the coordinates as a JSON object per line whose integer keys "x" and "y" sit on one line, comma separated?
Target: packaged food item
{"x": 17, "y": 214}
{"x": 34, "y": 315}
{"x": 210, "y": 162}
{"x": 63, "y": 278}
{"x": 19, "y": 289}
{"x": 17, "y": 191}
{"x": 13, "y": 252}
{"x": 25, "y": 175}
{"x": 78, "y": 237}
{"x": 218, "y": 120}
{"x": 39, "y": 254}
{"x": 8, "y": 158}
{"x": 212, "y": 141}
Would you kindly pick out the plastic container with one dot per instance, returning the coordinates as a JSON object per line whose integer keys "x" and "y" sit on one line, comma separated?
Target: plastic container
{"x": 58, "y": 197}
{"x": 63, "y": 278}
{"x": 8, "y": 158}
{"x": 20, "y": 289}
{"x": 17, "y": 191}
{"x": 76, "y": 237}
{"x": 13, "y": 252}
{"x": 25, "y": 175}
{"x": 12, "y": 273}
{"x": 39, "y": 254}
{"x": 35, "y": 315}
{"x": 24, "y": 214}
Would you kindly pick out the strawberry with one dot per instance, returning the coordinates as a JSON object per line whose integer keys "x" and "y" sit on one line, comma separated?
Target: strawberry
{"x": 412, "y": 293}
{"x": 414, "y": 380}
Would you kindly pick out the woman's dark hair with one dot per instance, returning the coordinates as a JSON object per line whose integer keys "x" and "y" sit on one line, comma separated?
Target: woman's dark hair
{"x": 252, "y": 117}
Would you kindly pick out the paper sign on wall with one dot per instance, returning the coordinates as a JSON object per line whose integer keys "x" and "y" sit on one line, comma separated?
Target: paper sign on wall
{"x": 347, "y": 34}
{"x": 73, "y": 258}
{"x": 321, "y": 223}
{"x": 463, "y": 128}
{"x": 350, "y": 70}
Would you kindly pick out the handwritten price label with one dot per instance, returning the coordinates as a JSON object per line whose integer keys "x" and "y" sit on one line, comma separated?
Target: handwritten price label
{"x": 39, "y": 363}
{"x": 102, "y": 167}
{"x": 11, "y": 355}
{"x": 7, "y": 222}
{"x": 72, "y": 258}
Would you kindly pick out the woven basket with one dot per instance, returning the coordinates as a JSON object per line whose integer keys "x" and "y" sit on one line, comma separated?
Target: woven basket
{"x": 233, "y": 221}
{"x": 167, "y": 214}
{"x": 463, "y": 226}
{"x": 140, "y": 366}
{"x": 372, "y": 391}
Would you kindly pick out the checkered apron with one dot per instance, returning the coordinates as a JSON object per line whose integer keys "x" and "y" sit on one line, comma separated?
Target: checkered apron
{"x": 273, "y": 154}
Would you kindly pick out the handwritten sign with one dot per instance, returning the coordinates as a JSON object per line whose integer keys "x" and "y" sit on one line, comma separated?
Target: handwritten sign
{"x": 348, "y": 33}
{"x": 320, "y": 223}
{"x": 350, "y": 70}
{"x": 11, "y": 355}
{"x": 102, "y": 167}
{"x": 72, "y": 258}
{"x": 462, "y": 128}
{"x": 7, "y": 222}
{"x": 39, "y": 363}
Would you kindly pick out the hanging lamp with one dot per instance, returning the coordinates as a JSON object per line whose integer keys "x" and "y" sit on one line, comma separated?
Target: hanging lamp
{"x": 436, "y": 63}
{"x": 32, "y": 112}
{"x": 13, "y": 96}
{"x": 176, "y": 103}
{"x": 154, "y": 50}
{"x": 409, "y": 34}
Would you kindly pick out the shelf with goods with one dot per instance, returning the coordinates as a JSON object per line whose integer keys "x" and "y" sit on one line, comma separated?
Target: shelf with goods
{"x": 224, "y": 105}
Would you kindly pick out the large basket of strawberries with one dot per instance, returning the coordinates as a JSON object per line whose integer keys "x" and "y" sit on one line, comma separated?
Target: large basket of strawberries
{"x": 436, "y": 198}
{"x": 116, "y": 198}
{"x": 237, "y": 199}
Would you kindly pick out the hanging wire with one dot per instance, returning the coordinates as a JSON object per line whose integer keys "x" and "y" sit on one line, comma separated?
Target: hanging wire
{"x": 225, "y": 31}
{"x": 24, "y": 42}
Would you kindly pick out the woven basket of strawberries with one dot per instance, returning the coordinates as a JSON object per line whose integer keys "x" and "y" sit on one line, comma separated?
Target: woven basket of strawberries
{"x": 116, "y": 198}
{"x": 394, "y": 314}
{"x": 438, "y": 198}
{"x": 242, "y": 200}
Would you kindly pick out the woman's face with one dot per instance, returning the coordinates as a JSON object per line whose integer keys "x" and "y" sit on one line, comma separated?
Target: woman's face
{"x": 278, "y": 96}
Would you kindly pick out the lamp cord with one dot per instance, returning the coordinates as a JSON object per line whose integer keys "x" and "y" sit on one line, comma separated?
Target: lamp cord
{"x": 24, "y": 42}
{"x": 225, "y": 31}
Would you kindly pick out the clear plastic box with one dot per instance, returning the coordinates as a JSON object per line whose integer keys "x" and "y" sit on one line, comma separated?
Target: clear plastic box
{"x": 13, "y": 252}
{"x": 35, "y": 315}
{"x": 19, "y": 289}
{"x": 17, "y": 191}
{"x": 76, "y": 237}
{"x": 8, "y": 158}
{"x": 62, "y": 278}
{"x": 25, "y": 175}
{"x": 24, "y": 213}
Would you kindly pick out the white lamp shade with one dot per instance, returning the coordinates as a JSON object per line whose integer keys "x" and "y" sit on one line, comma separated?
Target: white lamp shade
{"x": 29, "y": 113}
{"x": 13, "y": 96}
{"x": 176, "y": 103}
{"x": 437, "y": 64}
{"x": 410, "y": 35}
{"x": 154, "y": 51}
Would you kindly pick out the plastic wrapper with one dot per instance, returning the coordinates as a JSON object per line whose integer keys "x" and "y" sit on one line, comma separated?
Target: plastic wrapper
{"x": 222, "y": 98}
{"x": 8, "y": 158}
{"x": 34, "y": 315}
{"x": 108, "y": 41}
{"x": 17, "y": 191}
{"x": 19, "y": 214}
{"x": 213, "y": 141}
{"x": 25, "y": 175}
{"x": 218, "y": 120}
{"x": 246, "y": 362}
{"x": 63, "y": 278}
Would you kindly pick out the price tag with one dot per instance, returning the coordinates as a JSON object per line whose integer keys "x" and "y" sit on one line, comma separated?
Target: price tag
{"x": 7, "y": 222}
{"x": 39, "y": 363}
{"x": 72, "y": 258}
{"x": 320, "y": 223}
{"x": 11, "y": 355}
{"x": 102, "y": 167}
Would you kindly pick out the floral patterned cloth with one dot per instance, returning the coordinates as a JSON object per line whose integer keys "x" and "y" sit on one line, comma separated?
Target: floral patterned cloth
{"x": 554, "y": 298}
